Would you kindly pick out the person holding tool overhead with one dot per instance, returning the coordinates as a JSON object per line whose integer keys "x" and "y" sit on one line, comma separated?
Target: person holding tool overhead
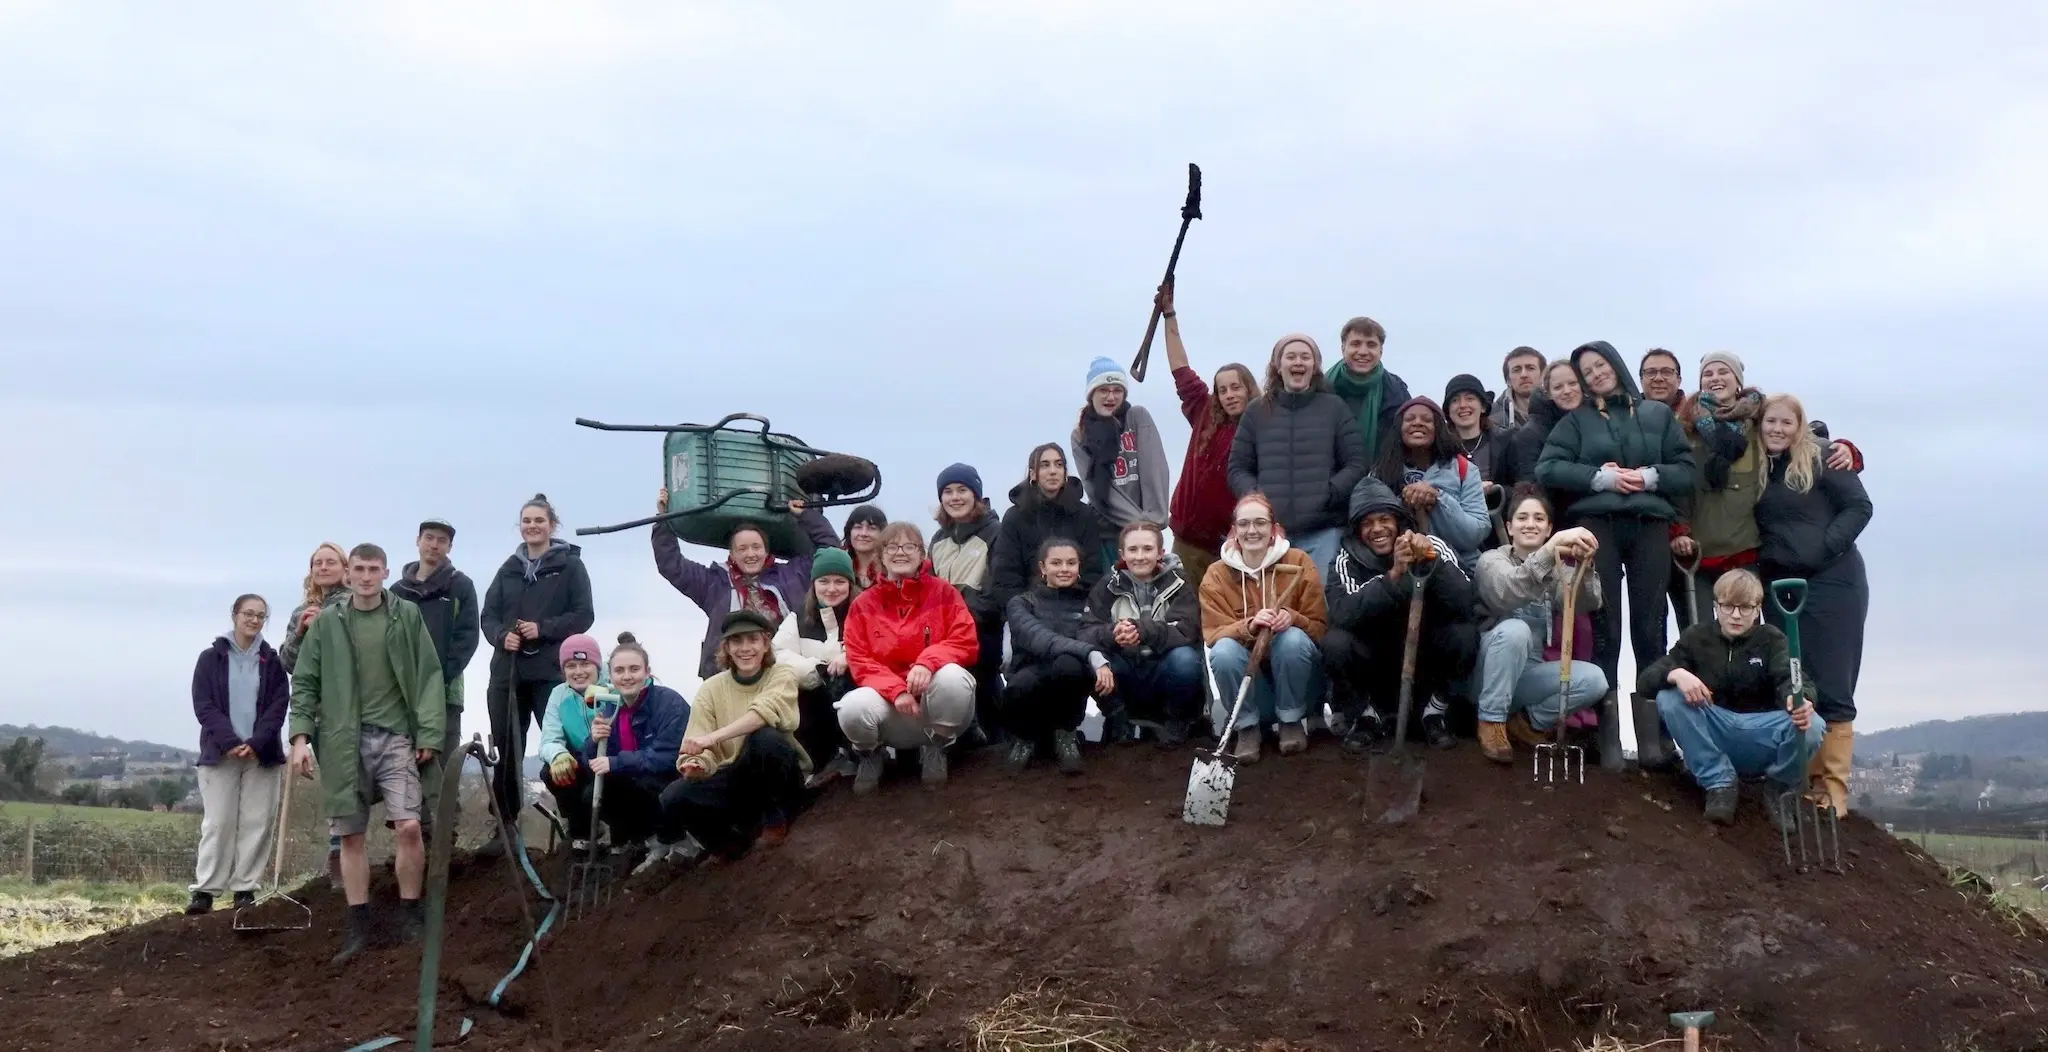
{"x": 1202, "y": 501}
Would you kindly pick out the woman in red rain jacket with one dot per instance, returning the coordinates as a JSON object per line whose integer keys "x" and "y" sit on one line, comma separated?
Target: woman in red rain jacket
{"x": 910, "y": 641}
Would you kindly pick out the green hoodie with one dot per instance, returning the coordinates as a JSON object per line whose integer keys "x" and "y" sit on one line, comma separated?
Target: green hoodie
{"x": 325, "y": 705}
{"x": 1626, "y": 429}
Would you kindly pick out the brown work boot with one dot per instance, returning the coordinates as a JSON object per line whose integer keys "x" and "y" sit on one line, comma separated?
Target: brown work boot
{"x": 1519, "y": 729}
{"x": 1293, "y": 739}
{"x": 1493, "y": 742}
{"x": 1246, "y": 749}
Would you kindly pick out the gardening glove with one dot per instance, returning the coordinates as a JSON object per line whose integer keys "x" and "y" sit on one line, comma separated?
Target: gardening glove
{"x": 563, "y": 769}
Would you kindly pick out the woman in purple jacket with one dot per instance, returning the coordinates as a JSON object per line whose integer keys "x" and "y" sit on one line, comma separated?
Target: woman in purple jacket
{"x": 750, "y": 579}
{"x": 240, "y": 692}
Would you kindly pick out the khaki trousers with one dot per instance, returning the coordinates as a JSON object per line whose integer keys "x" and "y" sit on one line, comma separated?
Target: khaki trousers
{"x": 240, "y": 798}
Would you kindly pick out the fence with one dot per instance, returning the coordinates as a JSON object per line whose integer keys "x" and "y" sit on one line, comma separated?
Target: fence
{"x": 2008, "y": 862}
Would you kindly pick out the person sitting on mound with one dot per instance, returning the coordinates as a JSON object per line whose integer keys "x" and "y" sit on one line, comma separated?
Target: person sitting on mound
{"x": 1148, "y": 618}
{"x": 910, "y": 640}
{"x": 1261, "y": 583}
{"x": 1052, "y": 669}
{"x": 742, "y": 769}
{"x": 809, "y": 643}
{"x": 1522, "y": 587}
{"x": 1370, "y": 589}
{"x": 638, "y": 740}
{"x": 1725, "y": 694}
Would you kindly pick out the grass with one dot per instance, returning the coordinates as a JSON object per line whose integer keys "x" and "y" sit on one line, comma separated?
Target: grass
{"x": 1042, "y": 1020}
{"x": 17, "y": 811}
{"x": 36, "y": 916}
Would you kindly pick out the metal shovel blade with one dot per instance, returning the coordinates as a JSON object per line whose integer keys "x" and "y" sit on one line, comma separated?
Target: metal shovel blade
{"x": 1393, "y": 786}
{"x": 1209, "y": 785}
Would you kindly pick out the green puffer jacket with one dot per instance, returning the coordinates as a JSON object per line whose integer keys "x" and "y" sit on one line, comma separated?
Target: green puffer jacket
{"x": 1626, "y": 429}
{"x": 324, "y": 702}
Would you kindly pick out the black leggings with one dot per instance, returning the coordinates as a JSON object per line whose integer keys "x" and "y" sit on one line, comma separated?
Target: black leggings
{"x": 1831, "y": 635}
{"x": 630, "y": 808}
{"x": 727, "y": 810}
{"x": 988, "y": 673}
{"x": 1047, "y": 696}
{"x": 1640, "y": 548}
{"x": 1366, "y": 670}
{"x": 817, "y": 728}
{"x": 510, "y": 718}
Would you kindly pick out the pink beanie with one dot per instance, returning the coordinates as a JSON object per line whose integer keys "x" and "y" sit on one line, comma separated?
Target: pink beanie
{"x": 581, "y": 647}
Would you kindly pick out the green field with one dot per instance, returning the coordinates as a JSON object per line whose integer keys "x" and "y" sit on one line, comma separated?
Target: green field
{"x": 17, "y": 811}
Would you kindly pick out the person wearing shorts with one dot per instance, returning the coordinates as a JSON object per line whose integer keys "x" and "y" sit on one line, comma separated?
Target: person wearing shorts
{"x": 368, "y": 686}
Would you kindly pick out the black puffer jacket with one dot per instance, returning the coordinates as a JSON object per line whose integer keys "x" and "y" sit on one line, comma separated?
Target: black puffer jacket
{"x": 1626, "y": 429}
{"x": 1029, "y": 523}
{"x": 1303, "y": 451}
{"x": 1364, "y": 601}
{"x": 1172, "y": 619}
{"x": 1525, "y": 443}
{"x": 557, "y": 600}
{"x": 1804, "y": 533}
{"x": 1046, "y": 623}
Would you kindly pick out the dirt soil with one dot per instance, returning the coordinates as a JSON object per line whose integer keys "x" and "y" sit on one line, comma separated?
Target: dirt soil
{"x": 1506, "y": 916}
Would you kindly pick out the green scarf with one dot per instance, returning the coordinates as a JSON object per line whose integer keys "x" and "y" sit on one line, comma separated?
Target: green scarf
{"x": 1363, "y": 392}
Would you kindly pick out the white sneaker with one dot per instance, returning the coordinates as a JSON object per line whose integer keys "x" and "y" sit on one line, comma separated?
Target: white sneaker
{"x": 657, "y": 853}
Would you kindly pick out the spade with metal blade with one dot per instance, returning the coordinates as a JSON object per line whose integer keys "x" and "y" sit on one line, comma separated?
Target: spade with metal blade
{"x": 1215, "y": 775}
{"x": 1189, "y": 212}
{"x": 1393, "y": 779}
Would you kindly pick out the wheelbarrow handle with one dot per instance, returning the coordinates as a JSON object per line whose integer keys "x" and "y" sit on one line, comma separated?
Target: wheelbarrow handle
{"x": 1788, "y": 595}
{"x": 667, "y": 428}
{"x": 587, "y": 531}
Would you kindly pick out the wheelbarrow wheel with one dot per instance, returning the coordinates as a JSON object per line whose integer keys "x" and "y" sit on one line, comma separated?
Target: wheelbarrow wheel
{"x": 836, "y": 475}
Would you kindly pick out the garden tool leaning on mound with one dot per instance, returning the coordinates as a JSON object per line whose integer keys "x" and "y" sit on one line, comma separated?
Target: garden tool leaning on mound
{"x": 275, "y": 910}
{"x": 1393, "y": 779}
{"x": 720, "y": 475}
{"x": 1556, "y": 762}
{"x": 1800, "y": 817}
{"x": 1214, "y": 776}
{"x": 590, "y": 880}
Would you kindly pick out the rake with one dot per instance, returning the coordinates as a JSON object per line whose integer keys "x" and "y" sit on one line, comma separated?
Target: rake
{"x": 1555, "y": 762}
{"x": 1800, "y": 818}
{"x": 248, "y": 919}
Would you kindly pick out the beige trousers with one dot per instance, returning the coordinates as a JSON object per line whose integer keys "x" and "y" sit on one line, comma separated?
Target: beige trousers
{"x": 240, "y": 797}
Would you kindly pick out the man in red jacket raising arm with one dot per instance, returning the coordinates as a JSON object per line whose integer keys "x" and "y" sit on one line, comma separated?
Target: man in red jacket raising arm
{"x": 910, "y": 642}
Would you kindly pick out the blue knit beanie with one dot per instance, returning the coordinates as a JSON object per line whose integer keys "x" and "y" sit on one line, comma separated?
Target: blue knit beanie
{"x": 1104, "y": 371}
{"x": 963, "y": 474}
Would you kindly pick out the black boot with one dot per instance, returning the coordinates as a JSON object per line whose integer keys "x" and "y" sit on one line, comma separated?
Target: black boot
{"x": 357, "y": 935}
{"x": 201, "y": 904}
{"x": 414, "y": 922}
{"x": 1721, "y": 805}
{"x": 244, "y": 899}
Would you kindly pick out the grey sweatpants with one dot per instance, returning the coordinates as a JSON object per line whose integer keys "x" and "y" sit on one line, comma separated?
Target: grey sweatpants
{"x": 240, "y": 798}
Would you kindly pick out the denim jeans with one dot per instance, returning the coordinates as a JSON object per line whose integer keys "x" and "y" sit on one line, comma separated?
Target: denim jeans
{"x": 1720, "y": 745}
{"x": 1282, "y": 692}
{"x": 1511, "y": 678}
{"x": 1166, "y": 687}
{"x": 1320, "y": 545}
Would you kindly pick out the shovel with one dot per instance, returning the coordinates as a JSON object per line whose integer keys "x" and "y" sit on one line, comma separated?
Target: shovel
{"x": 1801, "y": 819}
{"x": 590, "y": 881}
{"x": 1393, "y": 780}
{"x": 1555, "y": 761}
{"x": 248, "y": 918}
{"x": 1214, "y": 775}
{"x": 1189, "y": 212}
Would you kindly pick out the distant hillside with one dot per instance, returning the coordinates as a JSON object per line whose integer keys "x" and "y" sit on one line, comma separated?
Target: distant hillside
{"x": 2023, "y": 734}
{"x": 63, "y": 742}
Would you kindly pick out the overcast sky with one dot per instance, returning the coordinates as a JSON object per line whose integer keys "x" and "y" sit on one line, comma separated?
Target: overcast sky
{"x": 272, "y": 274}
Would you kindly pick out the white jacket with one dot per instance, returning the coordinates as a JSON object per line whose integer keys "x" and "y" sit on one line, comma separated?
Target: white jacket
{"x": 807, "y": 657}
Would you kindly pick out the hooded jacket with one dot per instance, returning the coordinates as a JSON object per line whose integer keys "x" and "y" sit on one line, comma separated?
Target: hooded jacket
{"x": 1202, "y": 501}
{"x": 919, "y": 620}
{"x": 1124, "y": 499}
{"x": 447, "y": 603}
{"x": 1303, "y": 451}
{"x": 805, "y": 647}
{"x": 556, "y": 598}
{"x": 1751, "y": 673}
{"x": 711, "y": 587}
{"x": 210, "y": 704}
{"x": 325, "y": 705}
{"x": 963, "y": 554}
{"x": 1460, "y": 518}
{"x": 1030, "y": 522}
{"x": 657, "y": 720}
{"x": 1046, "y": 623}
{"x": 1532, "y": 590}
{"x": 1623, "y": 428}
{"x": 1505, "y": 419}
{"x": 1171, "y": 618}
{"x": 1363, "y": 600}
{"x": 1803, "y": 534}
{"x": 565, "y": 722}
{"x": 1233, "y": 590}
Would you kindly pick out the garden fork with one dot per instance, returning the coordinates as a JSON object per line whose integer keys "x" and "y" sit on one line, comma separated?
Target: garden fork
{"x": 1555, "y": 761}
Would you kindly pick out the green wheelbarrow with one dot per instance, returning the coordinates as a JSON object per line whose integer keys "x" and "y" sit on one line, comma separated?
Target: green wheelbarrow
{"x": 720, "y": 475}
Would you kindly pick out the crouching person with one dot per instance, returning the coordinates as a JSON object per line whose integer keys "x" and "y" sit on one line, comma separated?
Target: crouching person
{"x": 1725, "y": 693}
{"x": 1522, "y": 587}
{"x": 1148, "y": 618}
{"x": 1371, "y": 585}
{"x": 1052, "y": 669}
{"x": 1261, "y": 583}
{"x": 742, "y": 769}
{"x": 632, "y": 743}
{"x": 909, "y": 641}
{"x": 368, "y": 685}
{"x": 565, "y": 732}
{"x": 810, "y": 643}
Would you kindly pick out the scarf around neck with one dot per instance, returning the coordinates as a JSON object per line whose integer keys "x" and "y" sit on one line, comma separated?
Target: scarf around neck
{"x": 1103, "y": 438}
{"x": 751, "y": 595}
{"x": 1367, "y": 392}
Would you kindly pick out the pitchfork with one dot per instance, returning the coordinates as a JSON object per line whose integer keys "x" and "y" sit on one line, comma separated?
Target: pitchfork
{"x": 590, "y": 881}
{"x": 1556, "y": 762}
{"x": 1800, "y": 817}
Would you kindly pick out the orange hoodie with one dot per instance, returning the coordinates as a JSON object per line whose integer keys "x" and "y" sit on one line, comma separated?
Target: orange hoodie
{"x": 1232, "y": 591}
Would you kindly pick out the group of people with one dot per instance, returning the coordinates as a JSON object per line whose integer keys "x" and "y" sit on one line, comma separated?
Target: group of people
{"x": 1316, "y": 509}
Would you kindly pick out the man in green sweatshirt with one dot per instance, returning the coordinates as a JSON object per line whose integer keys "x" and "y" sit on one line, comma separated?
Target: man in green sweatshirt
{"x": 368, "y": 684}
{"x": 1363, "y": 381}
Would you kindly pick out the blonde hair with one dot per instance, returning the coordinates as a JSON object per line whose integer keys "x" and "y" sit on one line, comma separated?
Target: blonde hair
{"x": 1803, "y": 456}
{"x": 1739, "y": 588}
{"x": 315, "y": 595}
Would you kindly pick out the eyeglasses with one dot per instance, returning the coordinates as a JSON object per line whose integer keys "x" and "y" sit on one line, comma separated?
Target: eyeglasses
{"x": 1253, "y": 524}
{"x": 1744, "y": 611}
{"x": 1662, "y": 373}
{"x": 902, "y": 549}
{"x": 251, "y": 615}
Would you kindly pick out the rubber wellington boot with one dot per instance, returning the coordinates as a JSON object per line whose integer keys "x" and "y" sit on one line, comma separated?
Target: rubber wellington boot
{"x": 1610, "y": 735}
{"x": 1650, "y": 754}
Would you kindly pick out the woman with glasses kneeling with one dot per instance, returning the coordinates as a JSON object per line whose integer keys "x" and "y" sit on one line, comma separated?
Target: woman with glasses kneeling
{"x": 910, "y": 641}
